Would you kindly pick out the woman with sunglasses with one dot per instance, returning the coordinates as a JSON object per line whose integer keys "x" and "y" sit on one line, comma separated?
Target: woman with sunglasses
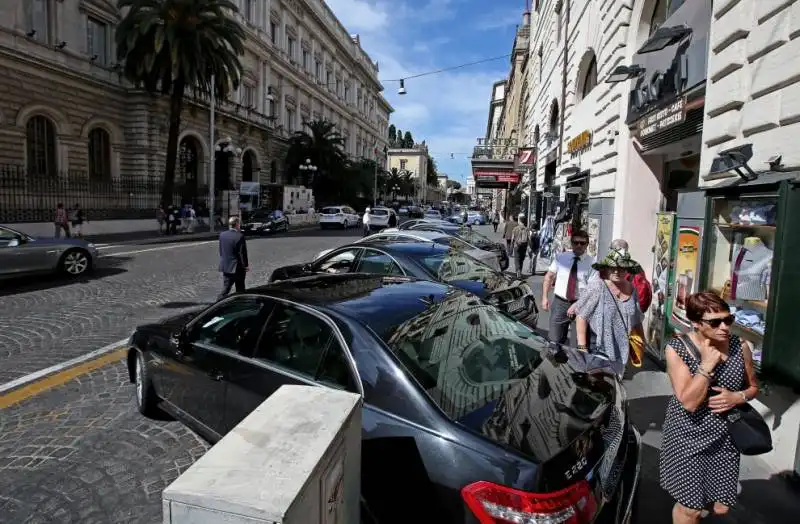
{"x": 711, "y": 372}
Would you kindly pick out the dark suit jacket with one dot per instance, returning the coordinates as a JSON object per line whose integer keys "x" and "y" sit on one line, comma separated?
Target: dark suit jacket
{"x": 232, "y": 252}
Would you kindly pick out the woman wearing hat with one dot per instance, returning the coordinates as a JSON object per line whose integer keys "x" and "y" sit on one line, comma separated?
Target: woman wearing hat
{"x": 608, "y": 311}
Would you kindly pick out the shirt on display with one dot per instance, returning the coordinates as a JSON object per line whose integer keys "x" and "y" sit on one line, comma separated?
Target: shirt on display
{"x": 751, "y": 268}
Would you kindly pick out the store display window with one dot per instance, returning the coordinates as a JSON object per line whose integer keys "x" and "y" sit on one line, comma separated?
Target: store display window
{"x": 740, "y": 265}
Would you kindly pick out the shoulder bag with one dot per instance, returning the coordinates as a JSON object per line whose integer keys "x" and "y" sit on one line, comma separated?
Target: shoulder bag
{"x": 635, "y": 342}
{"x": 750, "y": 434}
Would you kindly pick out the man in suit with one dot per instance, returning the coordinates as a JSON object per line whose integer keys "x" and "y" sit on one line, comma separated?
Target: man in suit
{"x": 233, "y": 263}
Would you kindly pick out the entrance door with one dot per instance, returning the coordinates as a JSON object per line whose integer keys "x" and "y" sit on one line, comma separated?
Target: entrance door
{"x": 663, "y": 271}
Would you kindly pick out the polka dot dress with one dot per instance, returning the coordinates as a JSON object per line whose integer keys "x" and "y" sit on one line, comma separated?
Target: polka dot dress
{"x": 699, "y": 464}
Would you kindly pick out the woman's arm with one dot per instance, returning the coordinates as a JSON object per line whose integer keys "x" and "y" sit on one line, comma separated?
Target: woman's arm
{"x": 751, "y": 391}
{"x": 584, "y": 309}
{"x": 691, "y": 391}
{"x": 582, "y": 332}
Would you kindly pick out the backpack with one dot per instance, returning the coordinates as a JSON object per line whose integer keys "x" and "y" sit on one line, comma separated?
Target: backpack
{"x": 643, "y": 290}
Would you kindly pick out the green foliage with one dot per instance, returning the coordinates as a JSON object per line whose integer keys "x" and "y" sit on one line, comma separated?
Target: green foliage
{"x": 398, "y": 141}
{"x": 169, "y": 46}
{"x": 323, "y": 145}
{"x": 432, "y": 171}
{"x": 453, "y": 184}
{"x": 392, "y": 135}
{"x": 408, "y": 140}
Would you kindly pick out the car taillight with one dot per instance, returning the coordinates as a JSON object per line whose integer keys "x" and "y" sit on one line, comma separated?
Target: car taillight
{"x": 495, "y": 504}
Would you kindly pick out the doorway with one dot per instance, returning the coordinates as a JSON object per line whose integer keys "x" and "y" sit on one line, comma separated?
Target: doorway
{"x": 678, "y": 175}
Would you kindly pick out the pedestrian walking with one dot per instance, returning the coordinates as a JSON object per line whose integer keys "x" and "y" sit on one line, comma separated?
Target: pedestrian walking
{"x": 712, "y": 373}
{"x": 508, "y": 228}
{"x": 608, "y": 312}
{"x": 496, "y": 220}
{"x": 77, "y": 218}
{"x": 233, "y": 261}
{"x": 392, "y": 219}
{"x": 568, "y": 275}
{"x": 533, "y": 249}
{"x": 519, "y": 243}
{"x": 637, "y": 277}
{"x": 191, "y": 218}
{"x": 161, "y": 219}
{"x": 61, "y": 221}
{"x": 366, "y": 221}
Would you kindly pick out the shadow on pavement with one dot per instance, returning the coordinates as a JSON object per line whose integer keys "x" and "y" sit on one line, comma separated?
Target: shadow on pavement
{"x": 770, "y": 500}
{"x": 30, "y": 283}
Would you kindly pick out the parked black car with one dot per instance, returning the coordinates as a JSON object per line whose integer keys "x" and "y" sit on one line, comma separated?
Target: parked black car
{"x": 467, "y": 413}
{"x": 263, "y": 221}
{"x": 428, "y": 261}
{"x": 467, "y": 234}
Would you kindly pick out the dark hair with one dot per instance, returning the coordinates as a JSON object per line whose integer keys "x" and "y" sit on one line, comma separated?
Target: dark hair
{"x": 580, "y": 233}
{"x": 704, "y": 302}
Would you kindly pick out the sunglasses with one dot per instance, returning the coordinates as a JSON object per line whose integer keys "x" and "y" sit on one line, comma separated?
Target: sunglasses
{"x": 715, "y": 322}
{"x": 580, "y": 243}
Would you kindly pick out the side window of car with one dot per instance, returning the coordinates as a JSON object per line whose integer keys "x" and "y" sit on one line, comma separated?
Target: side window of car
{"x": 295, "y": 340}
{"x": 378, "y": 263}
{"x": 233, "y": 325}
{"x": 341, "y": 262}
{"x": 335, "y": 371}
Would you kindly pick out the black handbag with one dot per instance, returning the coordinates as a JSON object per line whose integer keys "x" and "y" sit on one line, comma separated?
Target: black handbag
{"x": 750, "y": 433}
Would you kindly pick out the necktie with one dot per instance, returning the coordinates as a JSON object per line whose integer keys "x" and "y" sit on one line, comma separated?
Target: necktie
{"x": 572, "y": 283}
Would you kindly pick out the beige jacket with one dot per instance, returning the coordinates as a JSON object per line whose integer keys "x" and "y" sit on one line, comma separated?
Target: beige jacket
{"x": 508, "y": 229}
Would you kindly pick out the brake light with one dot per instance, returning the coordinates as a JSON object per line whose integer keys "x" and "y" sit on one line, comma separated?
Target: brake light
{"x": 495, "y": 504}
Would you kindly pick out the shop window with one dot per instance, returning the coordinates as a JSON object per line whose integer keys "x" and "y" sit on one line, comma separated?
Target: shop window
{"x": 740, "y": 268}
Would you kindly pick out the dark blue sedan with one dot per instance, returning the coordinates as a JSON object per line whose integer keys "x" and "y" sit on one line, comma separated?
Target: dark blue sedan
{"x": 468, "y": 417}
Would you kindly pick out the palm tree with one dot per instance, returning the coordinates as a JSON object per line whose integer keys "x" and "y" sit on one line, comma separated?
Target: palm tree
{"x": 324, "y": 146}
{"x": 169, "y": 46}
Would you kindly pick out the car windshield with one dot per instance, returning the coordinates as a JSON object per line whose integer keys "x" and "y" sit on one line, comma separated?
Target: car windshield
{"x": 464, "y": 353}
{"x": 379, "y": 212}
{"x": 262, "y": 214}
{"x": 331, "y": 210}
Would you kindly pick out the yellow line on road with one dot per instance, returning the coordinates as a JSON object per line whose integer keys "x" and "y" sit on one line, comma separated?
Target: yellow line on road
{"x": 59, "y": 379}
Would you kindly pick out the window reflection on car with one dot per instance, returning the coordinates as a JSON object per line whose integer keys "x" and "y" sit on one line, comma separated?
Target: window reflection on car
{"x": 465, "y": 353}
{"x": 341, "y": 262}
{"x": 232, "y": 325}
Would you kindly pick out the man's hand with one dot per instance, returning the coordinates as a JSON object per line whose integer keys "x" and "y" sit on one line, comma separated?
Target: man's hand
{"x": 572, "y": 311}
{"x": 247, "y": 268}
{"x": 545, "y": 303}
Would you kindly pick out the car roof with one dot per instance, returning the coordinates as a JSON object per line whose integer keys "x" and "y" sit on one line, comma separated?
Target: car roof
{"x": 377, "y": 301}
{"x": 420, "y": 233}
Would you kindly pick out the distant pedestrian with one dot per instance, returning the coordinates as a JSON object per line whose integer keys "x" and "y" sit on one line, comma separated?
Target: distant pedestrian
{"x": 191, "y": 218}
{"x": 392, "y": 219}
{"x": 233, "y": 261}
{"x": 366, "y": 222}
{"x": 508, "y": 228}
{"x": 61, "y": 221}
{"x": 77, "y": 217}
{"x": 161, "y": 219}
{"x": 519, "y": 243}
{"x": 534, "y": 243}
{"x": 496, "y": 220}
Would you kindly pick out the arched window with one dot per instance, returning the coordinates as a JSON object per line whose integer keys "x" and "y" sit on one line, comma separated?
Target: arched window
{"x": 660, "y": 11}
{"x": 554, "y": 117}
{"x": 248, "y": 166}
{"x": 99, "y": 154}
{"x": 40, "y": 135}
{"x": 589, "y": 78}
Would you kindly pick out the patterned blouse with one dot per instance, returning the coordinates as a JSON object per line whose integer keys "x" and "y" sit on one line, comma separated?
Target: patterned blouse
{"x": 598, "y": 306}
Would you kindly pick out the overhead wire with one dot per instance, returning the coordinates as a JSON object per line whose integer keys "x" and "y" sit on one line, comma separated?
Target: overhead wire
{"x": 451, "y": 68}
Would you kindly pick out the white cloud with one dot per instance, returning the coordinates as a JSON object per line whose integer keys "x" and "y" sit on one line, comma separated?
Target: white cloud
{"x": 499, "y": 19}
{"x": 360, "y": 15}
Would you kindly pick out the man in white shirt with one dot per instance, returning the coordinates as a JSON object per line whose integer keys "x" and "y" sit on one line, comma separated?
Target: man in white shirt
{"x": 567, "y": 275}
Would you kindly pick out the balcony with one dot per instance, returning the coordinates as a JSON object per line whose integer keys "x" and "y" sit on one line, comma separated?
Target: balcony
{"x": 233, "y": 110}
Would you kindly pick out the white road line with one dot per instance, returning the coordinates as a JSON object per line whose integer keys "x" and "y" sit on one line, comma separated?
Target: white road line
{"x": 36, "y": 375}
{"x": 174, "y": 246}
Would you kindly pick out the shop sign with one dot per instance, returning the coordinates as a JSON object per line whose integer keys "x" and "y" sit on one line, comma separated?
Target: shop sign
{"x": 496, "y": 176}
{"x": 671, "y": 116}
{"x": 497, "y": 142}
{"x": 580, "y": 142}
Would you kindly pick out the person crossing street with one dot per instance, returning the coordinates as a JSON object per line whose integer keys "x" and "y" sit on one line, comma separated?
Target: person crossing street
{"x": 233, "y": 262}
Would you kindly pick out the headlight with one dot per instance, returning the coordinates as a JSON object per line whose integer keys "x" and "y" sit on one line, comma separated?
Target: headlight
{"x": 92, "y": 246}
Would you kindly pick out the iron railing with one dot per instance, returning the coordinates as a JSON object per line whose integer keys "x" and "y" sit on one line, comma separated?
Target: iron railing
{"x": 26, "y": 197}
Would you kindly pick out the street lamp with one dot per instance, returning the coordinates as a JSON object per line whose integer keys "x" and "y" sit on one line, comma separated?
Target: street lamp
{"x": 309, "y": 168}
{"x": 394, "y": 189}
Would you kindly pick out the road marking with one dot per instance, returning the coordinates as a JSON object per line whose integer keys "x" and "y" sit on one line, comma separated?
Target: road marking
{"x": 175, "y": 246}
{"x": 59, "y": 379}
{"x": 36, "y": 375}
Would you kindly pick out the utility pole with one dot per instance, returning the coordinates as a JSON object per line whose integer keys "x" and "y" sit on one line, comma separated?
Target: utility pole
{"x": 212, "y": 149}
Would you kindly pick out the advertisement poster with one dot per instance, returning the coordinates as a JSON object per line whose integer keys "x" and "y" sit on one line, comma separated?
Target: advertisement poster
{"x": 660, "y": 281}
{"x": 688, "y": 253}
{"x": 593, "y": 228}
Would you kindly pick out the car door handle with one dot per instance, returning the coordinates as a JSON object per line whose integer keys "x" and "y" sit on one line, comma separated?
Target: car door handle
{"x": 216, "y": 375}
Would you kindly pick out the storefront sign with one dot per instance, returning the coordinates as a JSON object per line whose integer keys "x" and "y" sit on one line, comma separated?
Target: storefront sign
{"x": 685, "y": 270}
{"x": 497, "y": 142}
{"x": 671, "y": 116}
{"x": 496, "y": 176}
{"x": 580, "y": 142}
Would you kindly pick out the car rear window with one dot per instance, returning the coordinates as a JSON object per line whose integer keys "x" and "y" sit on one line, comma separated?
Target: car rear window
{"x": 464, "y": 353}
{"x": 457, "y": 265}
{"x": 453, "y": 242}
{"x": 331, "y": 210}
{"x": 379, "y": 212}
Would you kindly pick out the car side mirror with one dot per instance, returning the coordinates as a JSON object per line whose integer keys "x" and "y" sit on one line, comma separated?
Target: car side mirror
{"x": 307, "y": 268}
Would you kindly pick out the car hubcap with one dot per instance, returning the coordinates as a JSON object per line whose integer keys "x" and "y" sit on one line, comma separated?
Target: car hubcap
{"x": 76, "y": 263}
{"x": 139, "y": 385}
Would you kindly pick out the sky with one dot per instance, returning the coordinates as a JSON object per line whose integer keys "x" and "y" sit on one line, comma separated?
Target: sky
{"x": 406, "y": 37}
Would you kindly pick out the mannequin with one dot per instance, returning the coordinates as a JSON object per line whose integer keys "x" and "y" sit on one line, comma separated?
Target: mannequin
{"x": 748, "y": 267}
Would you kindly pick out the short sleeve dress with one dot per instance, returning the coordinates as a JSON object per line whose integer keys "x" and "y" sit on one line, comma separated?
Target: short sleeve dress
{"x": 699, "y": 464}
{"x": 610, "y": 320}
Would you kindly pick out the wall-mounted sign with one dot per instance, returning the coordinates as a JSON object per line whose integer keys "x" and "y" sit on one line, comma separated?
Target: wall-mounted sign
{"x": 497, "y": 142}
{"x": 580, "y": 142}
{"x": 494, "y": 178}
{"x": 672, "y": 115}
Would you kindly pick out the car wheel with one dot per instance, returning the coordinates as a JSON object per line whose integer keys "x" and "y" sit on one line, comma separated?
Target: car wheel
{"x": 146, "y": 399}
{"x": 345, "y": 225}
{"x": 286, "y": 226}
{"x": 75, "y": 262}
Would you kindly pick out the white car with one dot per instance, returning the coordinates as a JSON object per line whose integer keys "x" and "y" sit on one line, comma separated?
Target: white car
{"x": 396, "y": 235}
{"x": 338, "y": 216}
{"x": 433, "y": 213}
{"x": 379, "y": 217}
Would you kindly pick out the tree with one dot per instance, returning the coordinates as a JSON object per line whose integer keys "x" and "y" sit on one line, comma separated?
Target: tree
{"x": 398, "y": 142}
{"x": 454, "y": 185}
{"x": 169, "y": 46}
{"x": 408, "y": 140}
{"x": 324, "y": 147}
{"x": 392, "y": 135}
{"x": 432, "y": 177}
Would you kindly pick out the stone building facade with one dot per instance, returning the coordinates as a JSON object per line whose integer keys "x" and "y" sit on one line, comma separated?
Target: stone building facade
{"x": 66, "y": 111}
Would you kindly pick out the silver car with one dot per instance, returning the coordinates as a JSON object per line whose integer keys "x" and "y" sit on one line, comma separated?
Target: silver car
{"x": 22, "y": 254}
